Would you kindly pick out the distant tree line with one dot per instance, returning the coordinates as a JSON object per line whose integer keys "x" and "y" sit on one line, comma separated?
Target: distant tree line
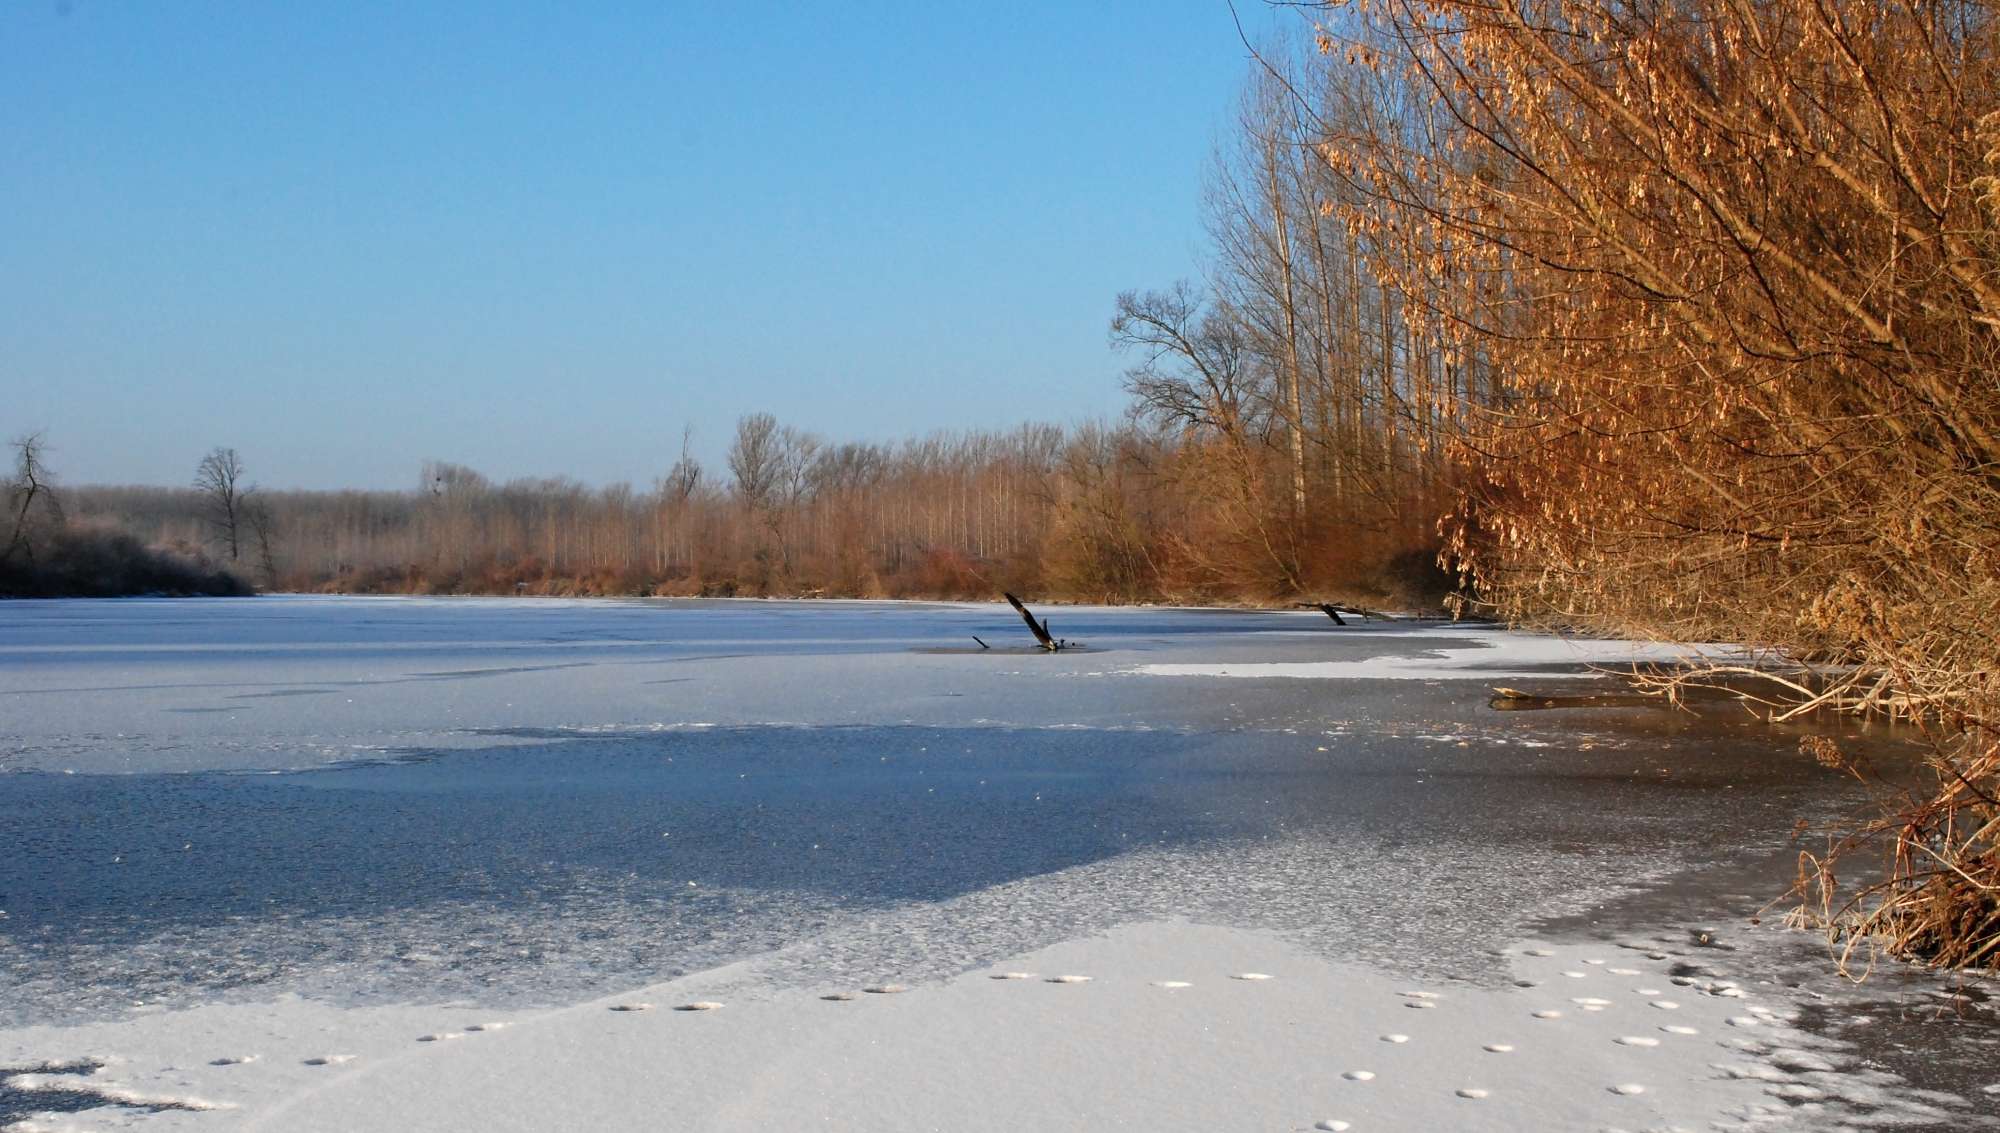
{"x": 1092, "y": 512}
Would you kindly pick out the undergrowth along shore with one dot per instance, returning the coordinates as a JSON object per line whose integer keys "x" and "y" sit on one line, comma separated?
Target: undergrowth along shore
{"x": 1918, "y": 877}
{"x": 80, "y": 561}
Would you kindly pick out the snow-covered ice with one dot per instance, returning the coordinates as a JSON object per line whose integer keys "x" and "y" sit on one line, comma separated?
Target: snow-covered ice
{"x": 1458, "y": 653}
{"x": 478, "y": 864}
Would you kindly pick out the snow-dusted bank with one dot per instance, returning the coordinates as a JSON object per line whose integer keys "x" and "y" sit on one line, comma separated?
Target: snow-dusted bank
{"x": 540, "y": 865}
{"x": 1172, "y": 1026}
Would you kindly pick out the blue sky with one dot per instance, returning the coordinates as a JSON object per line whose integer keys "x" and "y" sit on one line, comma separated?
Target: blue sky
{"x": 539, "y": 238}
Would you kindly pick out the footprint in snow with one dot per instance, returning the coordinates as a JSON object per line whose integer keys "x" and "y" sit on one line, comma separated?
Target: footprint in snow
{"x": 886, "y": 989}
{"x": 839, "y": 996}
{"x": 1499, "y": 1048}
{"x": 1172, "y": 984}
{"x": 329, "y": 1060}
{"x": 1068, "y": 980}
{"x": 1623, "y": 971}
{"x": 1012, "y": 976}
{"x": 699, "y": 1005}
{"x": 1537, "y": 952}
{"x": 1635, "y": 1040}
{"x": 1666, "y": 1005}
{"x": 1550, "y": 1014}
{"x": 1576, "y": 975}
{"x": 1333, "y": 1125}
{"x": 233, "y": 1059}
{"x": 631, "y": 1007}
{"x": 1359, "y": 1075}
{"x": 1397, "y": 1039}
{"x": 1677, "y": 1029}
{"x": 1250, "y": 976}
{"x": 1628, "y": 1089}
{"x": 1801, "y": 1062}
{"x": 487, "y": 1027}
{"x": 1798, "y": 1092}
{"x": 440, "y": 1036}
{"x": 1473, "y": 1092}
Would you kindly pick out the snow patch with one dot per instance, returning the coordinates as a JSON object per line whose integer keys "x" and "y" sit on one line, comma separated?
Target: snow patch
{"x": 1458, "y": 655}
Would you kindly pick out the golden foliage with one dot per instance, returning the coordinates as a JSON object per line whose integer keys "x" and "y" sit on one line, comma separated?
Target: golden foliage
{"x": 1736, "y": 272}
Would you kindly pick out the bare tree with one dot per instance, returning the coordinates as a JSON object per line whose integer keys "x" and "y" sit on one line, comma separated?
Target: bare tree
{"x": 1193, "y": 369}
{"x": 685, "y": 476}
{"x": 219, "y": 479}
{"x": 798, "y": 454}
{"x": 443, "y": 479}
{"x": 257, "y": 513}
{"x": 756, "y": 459}
{"x": 30, "y": 485}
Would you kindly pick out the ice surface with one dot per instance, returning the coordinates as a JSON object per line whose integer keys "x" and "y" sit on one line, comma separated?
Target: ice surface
{"x": 225, "y": 818}
{"x": 288, "y": 683}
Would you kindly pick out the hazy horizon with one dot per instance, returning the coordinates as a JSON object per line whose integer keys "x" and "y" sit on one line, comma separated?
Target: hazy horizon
{"x": 539, "y": 242}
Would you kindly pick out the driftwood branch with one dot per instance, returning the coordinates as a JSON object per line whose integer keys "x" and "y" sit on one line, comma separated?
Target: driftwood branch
{"x": 1039, "y": 628}
{"x": 1335, "y": 609}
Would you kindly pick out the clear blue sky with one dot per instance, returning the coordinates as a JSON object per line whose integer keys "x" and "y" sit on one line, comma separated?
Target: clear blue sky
{"x": 538, "y": 238}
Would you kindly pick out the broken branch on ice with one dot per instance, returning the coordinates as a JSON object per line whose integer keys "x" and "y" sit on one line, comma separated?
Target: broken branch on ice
{"x": 1335, "y": 609}
{"x": 1039, "y": 628}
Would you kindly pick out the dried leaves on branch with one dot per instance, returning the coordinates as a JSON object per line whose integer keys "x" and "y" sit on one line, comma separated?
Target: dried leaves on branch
{"x": 1732, "y": 268}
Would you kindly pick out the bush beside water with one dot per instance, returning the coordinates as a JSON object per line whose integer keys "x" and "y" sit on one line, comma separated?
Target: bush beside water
{"x": 78, "y": 561}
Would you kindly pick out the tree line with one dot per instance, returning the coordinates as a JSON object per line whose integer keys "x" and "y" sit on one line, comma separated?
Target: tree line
{"x": 1092, "y": 512}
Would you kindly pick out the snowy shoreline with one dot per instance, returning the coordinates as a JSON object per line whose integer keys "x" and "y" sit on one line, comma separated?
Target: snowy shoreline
{"x": 1166, "y": 1025}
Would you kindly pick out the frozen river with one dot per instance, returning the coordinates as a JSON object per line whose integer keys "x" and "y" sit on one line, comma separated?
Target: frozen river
{"x": 519, "y": 803}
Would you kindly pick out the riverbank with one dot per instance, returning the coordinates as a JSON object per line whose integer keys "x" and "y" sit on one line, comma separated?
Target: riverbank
{"x": 1164, "y": 1026}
